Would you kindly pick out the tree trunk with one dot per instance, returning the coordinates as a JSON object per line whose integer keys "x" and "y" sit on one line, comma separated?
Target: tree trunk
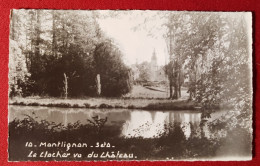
{"x": 176, "y": 81}
{"x": 170, "y": 85}
{"x": 13, "y": 26}
{"x": 190, "y": 98}
{"x": 171, "y": 67}
{"x": 170, "y": 73}
{"x": 31, "y": 31}
{"x": 37, "y": 42}
{"x": 179, "y": 80}
{"x": 53, "y": 34}
{"x": 179, "y": 90}
{"x": 65, "y": 86}
{"x": 98, "y": 82}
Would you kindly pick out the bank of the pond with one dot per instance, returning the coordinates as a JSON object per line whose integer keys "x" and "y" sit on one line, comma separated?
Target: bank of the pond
{"x": 125, "y": 103}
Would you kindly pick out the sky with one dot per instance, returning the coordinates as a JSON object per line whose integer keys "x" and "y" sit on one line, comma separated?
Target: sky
{"x": 136, "y": 45}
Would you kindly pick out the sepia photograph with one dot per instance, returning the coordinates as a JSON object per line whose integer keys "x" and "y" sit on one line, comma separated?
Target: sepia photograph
{"x": 130, "y": 85}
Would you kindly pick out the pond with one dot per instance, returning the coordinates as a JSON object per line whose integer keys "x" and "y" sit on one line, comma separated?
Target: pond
{"x": 173, "y": 135}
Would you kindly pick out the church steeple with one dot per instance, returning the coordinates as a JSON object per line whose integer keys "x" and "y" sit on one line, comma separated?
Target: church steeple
{"x": 153, "y": 66}
{"x": 154, "y": 58}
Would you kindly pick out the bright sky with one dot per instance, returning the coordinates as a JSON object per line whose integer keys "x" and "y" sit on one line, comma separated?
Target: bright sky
{"x": 136, "y": 45}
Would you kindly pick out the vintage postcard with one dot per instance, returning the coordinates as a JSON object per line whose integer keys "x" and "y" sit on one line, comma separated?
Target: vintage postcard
{"x": 103, "y": 85}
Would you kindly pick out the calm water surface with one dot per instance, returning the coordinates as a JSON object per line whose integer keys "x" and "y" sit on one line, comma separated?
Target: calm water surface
{"x": 142, "y": 124}
{"x": 132, "y": 123}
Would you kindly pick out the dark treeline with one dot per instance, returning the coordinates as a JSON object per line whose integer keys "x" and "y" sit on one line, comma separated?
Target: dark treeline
{"x": 63, "y": 53}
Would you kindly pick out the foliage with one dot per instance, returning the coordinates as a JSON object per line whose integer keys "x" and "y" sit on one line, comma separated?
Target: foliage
{"x": 145, "y": 72}
{"x": 114, "y": 74}
{"x": 212, "y": 49}
{"x": 208, "y": 47}
{"x": 67, "y": 42}
{"x": 171, "y": 143}
{"x": 18, "y": 73}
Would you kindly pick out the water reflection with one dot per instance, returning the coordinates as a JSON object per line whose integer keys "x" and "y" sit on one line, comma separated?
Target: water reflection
{"x": 117, "y": 124}
{"x": 151, "y": 124}
{"x": 132, "y": 123}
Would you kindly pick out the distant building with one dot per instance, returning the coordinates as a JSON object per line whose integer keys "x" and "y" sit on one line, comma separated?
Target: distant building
{"x": 157, "y": 72}
{"x": 153, "y": 67}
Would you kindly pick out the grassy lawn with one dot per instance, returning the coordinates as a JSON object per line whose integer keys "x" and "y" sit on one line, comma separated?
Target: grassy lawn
{"x": 130, "y": 103}
{"x": 139, "y": 91}
{"x": 139, "y": 98}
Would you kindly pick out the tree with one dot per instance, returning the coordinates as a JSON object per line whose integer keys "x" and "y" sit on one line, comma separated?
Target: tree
{"x": 18, "y": 73}
{"x": 59, "y": 42}
{"x": 114, "y": 75}
{"x": 145, "y": 72}
{"x": 176, "y": 26}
